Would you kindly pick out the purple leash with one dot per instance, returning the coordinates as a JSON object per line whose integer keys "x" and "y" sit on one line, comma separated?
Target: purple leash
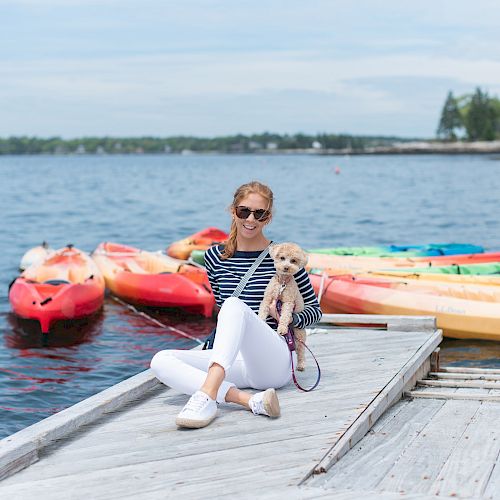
{"x": 290, "y": 341}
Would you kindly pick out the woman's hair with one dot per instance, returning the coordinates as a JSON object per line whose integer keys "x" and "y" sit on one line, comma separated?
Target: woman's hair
{"x": 254, "y": 187}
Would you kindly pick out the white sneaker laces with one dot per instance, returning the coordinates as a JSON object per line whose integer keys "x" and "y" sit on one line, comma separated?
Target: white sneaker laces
{"x": 196, "y": 402}
{"x": 257, "y": 406}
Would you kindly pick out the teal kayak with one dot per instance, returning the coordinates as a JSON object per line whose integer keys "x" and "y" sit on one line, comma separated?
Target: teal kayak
{"x": 432, "y": 249}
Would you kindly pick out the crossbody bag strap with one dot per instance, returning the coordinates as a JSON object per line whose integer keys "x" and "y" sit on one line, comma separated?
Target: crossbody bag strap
{"x": 210, "y": 340}
{"x": 248, "y": 274}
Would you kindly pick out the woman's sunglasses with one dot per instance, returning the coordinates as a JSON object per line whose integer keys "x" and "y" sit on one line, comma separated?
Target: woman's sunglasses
{"x": 244, "y": 213}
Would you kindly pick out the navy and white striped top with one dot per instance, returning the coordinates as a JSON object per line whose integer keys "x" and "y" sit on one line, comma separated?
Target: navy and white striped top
{"x": 224, "y": 276}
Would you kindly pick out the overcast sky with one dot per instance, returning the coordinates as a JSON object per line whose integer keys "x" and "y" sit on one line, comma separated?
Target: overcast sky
{"x": 206, "y": 68}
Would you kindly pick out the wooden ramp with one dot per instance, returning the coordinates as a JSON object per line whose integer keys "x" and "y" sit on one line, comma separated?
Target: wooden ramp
{"x": 123, "y": 442}
{"x": 444, "y": 440}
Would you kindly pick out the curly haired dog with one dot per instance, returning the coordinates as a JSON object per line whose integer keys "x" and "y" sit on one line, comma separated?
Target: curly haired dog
{"x": 288, "y": 259}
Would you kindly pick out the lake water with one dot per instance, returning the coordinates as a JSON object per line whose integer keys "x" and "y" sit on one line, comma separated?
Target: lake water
{"x": 150, "y": 201}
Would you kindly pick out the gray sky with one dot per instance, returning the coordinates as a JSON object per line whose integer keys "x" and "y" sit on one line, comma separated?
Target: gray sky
{"x": 206, "y": 68}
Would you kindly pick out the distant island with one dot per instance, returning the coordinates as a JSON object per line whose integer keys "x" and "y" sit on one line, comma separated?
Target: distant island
{"x": 468, "y": 124}
{"x": 269, "y": 144}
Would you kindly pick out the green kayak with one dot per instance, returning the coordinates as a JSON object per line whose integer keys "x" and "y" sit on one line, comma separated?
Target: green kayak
{"x": 198, "y": 256}
{"x": 489, "y": 268}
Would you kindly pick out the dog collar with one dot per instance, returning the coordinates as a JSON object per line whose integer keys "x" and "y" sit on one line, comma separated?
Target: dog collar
{"x": 283, "y": 283}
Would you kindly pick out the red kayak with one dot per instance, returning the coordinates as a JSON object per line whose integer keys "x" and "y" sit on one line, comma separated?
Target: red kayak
{"x": 154, "y": 279}
{"x": 66, "y": 285}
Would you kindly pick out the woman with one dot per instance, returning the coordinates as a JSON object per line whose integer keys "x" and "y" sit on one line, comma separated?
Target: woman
{"x": 247, "y": 351}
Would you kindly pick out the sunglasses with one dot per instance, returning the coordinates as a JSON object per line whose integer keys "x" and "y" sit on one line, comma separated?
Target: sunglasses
{"x": 244, "y": 213}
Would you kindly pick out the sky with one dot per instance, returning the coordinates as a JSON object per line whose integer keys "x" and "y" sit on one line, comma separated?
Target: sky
{"x": 74, "y": 68}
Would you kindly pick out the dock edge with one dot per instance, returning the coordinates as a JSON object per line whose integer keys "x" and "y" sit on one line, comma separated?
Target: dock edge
{"x": 22, "y": 448}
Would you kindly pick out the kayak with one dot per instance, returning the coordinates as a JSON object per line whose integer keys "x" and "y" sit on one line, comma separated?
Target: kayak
{"x": 202, "y": 240}
{"x": 402, "y": 251}
{"x": 372, "y": 266}
{"x": 154, "y": 279}
{"x": 471, "y": 291}
{"x": 338, "y": 264}
{"x": 458, "y": 316}
{"x": 66, "y": 285}
{"x": 473, "y": 279}
{"x": 198, "y": 256}
{"x": 482, "y": 269}
{"x": 35, "y": 255}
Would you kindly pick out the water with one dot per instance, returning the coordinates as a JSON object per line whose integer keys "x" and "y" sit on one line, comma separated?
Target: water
{"x": 149, "y": 201}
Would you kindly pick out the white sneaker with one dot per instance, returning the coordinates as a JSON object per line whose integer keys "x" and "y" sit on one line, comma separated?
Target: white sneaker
{"x": 265, "y": 403}
{"x": 198, "y": 412}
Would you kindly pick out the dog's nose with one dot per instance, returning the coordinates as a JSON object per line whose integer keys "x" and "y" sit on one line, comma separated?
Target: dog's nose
{"x": 286, "y": 269}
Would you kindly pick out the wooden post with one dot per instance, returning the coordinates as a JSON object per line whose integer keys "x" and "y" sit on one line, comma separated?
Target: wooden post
{"x": 435, "y": 360}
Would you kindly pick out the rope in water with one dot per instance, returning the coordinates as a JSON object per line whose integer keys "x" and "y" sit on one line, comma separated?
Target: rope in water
{"x": 154, "y": 320}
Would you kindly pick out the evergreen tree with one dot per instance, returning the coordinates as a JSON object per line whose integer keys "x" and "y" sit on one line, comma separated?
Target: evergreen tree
{"x": 481, "y": 118}
{"x": 451, "y": 119}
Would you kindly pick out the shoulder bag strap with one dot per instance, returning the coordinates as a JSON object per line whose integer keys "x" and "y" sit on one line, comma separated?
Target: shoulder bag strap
{"x": 210, "y": 340}
{"x": 251, "y": 270}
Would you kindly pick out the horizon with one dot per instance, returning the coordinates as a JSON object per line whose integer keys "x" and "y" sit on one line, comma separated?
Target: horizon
{"x": 77, "y": 68}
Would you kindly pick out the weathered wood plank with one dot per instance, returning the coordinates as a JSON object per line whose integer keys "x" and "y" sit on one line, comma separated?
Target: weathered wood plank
{"x": 392, "y": 323}
{"x": 464, "y": 376}
{"x": 453, "y": 395}
{"x": 468, "y": 469}
{"x": 419, "y": 466}
{"x": 370, "y": 460}
{"x": 459, "y": 383}
{"x": 460, "y": 369}
{"x": 493, "y": 486}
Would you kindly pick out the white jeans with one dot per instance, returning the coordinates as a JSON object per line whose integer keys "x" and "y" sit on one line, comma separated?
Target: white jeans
{"x": 250, "y": 351}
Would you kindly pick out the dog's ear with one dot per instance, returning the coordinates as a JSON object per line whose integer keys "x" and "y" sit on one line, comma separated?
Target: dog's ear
{"x": 273, "y": 250}
{"x": 305, "y": 258}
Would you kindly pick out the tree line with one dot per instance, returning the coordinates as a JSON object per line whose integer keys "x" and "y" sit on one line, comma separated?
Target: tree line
{"x": 475, "y": 117}
{"x": 184, "y": 144}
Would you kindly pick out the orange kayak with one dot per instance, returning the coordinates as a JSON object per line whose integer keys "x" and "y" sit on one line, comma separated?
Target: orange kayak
{"x": 154, "y": 279}
{"x": 202, "y": 240}
{"x": 460, "y": 311}
{"x": 65, "y": 285}
{"x": 35, "y": 255}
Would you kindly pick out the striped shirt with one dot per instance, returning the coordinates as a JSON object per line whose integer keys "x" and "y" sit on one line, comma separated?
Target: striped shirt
{"x": 224, "y": 276}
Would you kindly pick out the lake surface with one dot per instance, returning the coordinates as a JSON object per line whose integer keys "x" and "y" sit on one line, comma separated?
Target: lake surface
{"x": 150, "y": 201}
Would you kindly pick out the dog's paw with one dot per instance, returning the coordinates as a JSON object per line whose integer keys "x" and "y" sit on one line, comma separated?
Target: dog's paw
{"x": 282, "y": 330}
{"x": 301, "y": 367}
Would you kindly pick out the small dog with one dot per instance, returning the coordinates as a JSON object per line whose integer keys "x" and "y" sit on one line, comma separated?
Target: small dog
{"x": 288, "y": 259}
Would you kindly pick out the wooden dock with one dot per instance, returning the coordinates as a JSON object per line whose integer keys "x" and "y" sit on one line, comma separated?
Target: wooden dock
{"x": 123, "y": 442}
{"x": 443, "y": 440}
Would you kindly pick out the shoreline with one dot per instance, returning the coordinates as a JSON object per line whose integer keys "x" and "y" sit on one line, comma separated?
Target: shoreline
{"x": 398, "y": 148}
{"x": 403, "y": 148}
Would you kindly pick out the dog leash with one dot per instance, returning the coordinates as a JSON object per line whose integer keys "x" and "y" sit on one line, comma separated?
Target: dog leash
{"x": 290, "y": 341}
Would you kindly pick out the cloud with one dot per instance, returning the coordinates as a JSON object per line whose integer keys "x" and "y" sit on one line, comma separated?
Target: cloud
{"x": 275, "y": 65}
